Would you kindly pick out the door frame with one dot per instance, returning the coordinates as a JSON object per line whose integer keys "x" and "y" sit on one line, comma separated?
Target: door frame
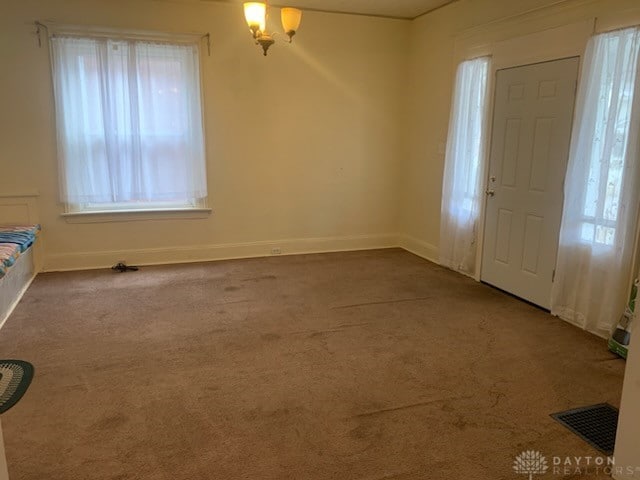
{"x": 487, "y": 161}
{"x": 557, "y": 43}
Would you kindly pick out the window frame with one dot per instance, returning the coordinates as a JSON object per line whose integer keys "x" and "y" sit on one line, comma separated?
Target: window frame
{"x": 598, "y": 220}
{"x": 192, "y": 208}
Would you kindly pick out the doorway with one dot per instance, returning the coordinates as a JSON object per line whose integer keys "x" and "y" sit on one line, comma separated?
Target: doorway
{"x": 533, "y": 113}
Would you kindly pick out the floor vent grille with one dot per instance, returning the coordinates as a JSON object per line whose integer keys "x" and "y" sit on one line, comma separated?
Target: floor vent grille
{"x": 596, "y": 424}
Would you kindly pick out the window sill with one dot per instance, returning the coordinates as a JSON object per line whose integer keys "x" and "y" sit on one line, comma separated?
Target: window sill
{"x": 104, "y": 216}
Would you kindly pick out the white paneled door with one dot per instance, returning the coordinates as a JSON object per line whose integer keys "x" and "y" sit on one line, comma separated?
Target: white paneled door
{"x": 531, "y": 133}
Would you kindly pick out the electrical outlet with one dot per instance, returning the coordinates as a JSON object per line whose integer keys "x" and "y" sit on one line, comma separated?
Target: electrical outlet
{"x": 276, "y": 251}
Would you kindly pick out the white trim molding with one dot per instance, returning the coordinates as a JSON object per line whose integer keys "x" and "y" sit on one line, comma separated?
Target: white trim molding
{"x": 106, "y": 216}
{"x": 212, "y": 252}
{"x": 419, "y": 247}
{"x": 20, "y": 194}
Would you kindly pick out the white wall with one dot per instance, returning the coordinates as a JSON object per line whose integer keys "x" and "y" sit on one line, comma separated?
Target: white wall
{"x": 4, "y": 473}
{"x": 527, "y": 30}
{"x": 334, "y": 142}
{"x": 627, "y": 452}
{"x": 302, "y": 146}
{"x": 465, "y": 29}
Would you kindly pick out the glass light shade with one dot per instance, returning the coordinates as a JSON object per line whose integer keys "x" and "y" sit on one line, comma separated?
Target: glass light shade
{"x": 256, "y": 15}
{"x": 291, "y": 18}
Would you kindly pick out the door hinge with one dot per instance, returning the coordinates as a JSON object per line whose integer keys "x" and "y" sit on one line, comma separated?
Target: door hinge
{"x": 553, "y": 275}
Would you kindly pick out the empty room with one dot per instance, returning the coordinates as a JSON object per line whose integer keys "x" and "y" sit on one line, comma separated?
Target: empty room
{"x": 319, "y": 239}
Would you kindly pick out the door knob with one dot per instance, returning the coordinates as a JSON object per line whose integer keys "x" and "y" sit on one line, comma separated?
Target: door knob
{"x": 490, "y": 193}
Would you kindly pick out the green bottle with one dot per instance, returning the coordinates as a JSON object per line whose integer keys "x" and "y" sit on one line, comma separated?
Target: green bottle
{"x": 619, "y": 341}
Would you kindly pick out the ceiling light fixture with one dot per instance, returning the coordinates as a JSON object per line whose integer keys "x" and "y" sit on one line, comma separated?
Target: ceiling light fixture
{"x": 256, "y": 14}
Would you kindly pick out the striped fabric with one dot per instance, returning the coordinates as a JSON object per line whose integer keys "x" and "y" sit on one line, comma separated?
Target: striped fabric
{"x": 9, "y": 253}
{"x": 15, "y": 239}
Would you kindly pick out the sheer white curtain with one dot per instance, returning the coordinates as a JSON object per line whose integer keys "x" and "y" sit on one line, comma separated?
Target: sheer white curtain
{"x": 461, "y": 188}
{"x": 129, "y": 121}
{"x": 601, "y": 187}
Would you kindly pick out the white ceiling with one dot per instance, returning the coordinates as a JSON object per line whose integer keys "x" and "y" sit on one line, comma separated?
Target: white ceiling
{"x": 382, "y": 8}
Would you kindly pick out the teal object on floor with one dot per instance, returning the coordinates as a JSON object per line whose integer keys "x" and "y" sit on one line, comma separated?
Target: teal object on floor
{"x": 620, "y": 338}
{"x": 15, "y": 378}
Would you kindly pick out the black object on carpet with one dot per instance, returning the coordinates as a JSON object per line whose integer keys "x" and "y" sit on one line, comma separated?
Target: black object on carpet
{"x": 595, "y": 424}
{"x": 15, "y": 378}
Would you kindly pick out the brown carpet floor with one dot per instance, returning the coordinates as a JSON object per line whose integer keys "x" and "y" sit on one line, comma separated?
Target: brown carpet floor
{"x": 364, "y": 365}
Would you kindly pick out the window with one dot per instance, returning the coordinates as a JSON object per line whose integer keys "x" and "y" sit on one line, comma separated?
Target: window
{"x": 602, "y": 186}
{"x": 129, "y": 121}
{"x": 465, "y": 142}
{"x": 461, "y": 187}
{"x": 609, "y": 98}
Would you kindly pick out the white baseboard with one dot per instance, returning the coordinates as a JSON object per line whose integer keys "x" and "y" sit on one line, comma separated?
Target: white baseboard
{"x": 419, "y": 247}
{"x": 205, "y": 253}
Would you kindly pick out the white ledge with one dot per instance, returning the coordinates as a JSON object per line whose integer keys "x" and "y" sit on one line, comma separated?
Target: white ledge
{"x": 22, "y": 194}
{"x": 100, "y": 216}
